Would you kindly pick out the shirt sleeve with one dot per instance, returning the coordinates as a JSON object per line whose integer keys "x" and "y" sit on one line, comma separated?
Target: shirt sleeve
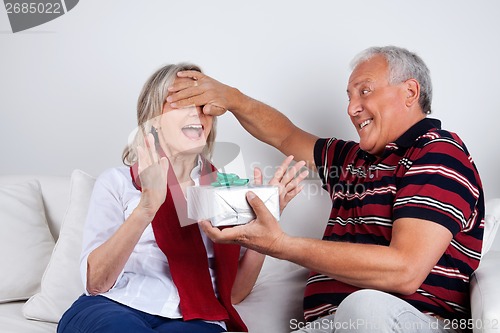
{"x": 441, "y": 185}
{"x": 330, "y": 155}
{"x": 104, "y": 217}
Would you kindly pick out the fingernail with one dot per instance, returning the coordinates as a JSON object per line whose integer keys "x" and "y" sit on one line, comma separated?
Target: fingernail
{"x": 174, "y": 105}
{"x": 169, "y": 98}
{"x": 250, "y": 195}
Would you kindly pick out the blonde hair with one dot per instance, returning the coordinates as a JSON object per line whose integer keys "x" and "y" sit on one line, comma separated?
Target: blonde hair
{"x": 150, "y": 105}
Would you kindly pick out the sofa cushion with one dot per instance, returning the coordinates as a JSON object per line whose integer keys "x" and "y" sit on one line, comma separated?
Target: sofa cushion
{"x": 25, "y": 241}
{"x": 61, "y": 282}
{"x": 55, "y": 194}
{"x": 485, "y": 294}
{"x": 13, "y": 321}
{"x": 275, "y": 303}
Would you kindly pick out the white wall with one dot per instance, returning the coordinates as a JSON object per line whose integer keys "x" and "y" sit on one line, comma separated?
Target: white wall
{"x": 69, "y": 87}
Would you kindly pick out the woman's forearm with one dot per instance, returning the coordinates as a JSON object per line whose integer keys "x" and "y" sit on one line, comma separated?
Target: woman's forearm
{"x": 248, "y": 271}
{"x": 106, "y": 262}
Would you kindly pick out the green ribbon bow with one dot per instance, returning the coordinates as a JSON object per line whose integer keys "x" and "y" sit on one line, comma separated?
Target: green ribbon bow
{"x": 229, "y": 179}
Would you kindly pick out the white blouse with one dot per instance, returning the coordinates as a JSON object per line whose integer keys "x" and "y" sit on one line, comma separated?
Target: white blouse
{"x": 145, "y": 283}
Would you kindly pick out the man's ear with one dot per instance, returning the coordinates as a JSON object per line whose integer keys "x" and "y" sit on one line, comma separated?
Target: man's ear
{"x": 412, "y": 92}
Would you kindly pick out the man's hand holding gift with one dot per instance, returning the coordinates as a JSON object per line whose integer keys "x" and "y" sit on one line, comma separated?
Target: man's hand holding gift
{"x": 263, "y": 234}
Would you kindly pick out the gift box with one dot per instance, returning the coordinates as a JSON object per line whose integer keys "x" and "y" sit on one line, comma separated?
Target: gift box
{"x": 227, "y": 205}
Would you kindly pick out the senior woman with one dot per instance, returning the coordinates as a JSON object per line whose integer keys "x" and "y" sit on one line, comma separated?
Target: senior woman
{"x": 143, "y": 272}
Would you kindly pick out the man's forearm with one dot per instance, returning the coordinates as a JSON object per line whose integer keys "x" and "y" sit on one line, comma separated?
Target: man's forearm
{"x": 369, "y": 266}
{"x": 261, "y": 120}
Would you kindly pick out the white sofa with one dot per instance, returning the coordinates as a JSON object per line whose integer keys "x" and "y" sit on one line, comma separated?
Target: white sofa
{"x": 42, "y": 267}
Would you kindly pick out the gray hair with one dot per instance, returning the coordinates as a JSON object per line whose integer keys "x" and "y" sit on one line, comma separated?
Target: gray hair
{"x": 150, "y": 105}
{"x": 403, "y": 65}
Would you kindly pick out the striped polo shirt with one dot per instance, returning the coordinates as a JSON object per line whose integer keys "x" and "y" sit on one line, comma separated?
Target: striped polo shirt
{"x": 426, "y": 174}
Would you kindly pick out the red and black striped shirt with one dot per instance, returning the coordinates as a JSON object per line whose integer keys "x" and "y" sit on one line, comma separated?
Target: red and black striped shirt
{"x": 427, "y": 174}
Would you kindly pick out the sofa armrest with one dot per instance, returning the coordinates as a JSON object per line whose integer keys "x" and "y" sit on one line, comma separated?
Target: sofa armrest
{"x": 491, "y": 224}
{"x": 485, "y": 294}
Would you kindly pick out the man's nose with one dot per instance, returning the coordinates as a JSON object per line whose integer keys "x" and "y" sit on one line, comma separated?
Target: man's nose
{"x": 354, "y": 107}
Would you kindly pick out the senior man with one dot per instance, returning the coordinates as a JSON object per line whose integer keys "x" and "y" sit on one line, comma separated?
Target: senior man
{"x": 406, "y": 226}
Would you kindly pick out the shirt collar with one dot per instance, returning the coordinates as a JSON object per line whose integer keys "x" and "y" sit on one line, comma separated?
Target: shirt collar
{"x": 423, "y": 126}
{"x": 407, "y": 139}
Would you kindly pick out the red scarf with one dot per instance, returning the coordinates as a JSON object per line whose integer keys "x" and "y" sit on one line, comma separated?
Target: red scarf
{"x": 188, "y": 260}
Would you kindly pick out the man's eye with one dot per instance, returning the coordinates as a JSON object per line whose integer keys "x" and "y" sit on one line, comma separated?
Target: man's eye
{"x": 365, "y": 91}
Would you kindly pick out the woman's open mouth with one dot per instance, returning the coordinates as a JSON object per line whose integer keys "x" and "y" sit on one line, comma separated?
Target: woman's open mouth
{"x": 193, "y": 131}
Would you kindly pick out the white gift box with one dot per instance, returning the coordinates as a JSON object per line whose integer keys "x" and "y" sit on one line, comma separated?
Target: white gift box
{"x": 227, "y": 205}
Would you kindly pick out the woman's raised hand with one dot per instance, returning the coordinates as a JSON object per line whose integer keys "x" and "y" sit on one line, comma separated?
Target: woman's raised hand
{"x": 287, "y": 180}
{"x": 153, "y": 175}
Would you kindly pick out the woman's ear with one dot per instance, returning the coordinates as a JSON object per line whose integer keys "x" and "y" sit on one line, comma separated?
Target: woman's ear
{"x": 412, "y": 92}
